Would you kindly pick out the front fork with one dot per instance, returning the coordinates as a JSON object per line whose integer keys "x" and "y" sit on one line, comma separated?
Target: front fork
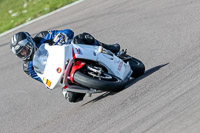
{"x": 75, "y": 88}
{"x": 76, "y": 65}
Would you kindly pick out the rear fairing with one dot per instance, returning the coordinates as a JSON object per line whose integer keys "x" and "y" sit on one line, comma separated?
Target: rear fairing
{"x": 114, "y": 65}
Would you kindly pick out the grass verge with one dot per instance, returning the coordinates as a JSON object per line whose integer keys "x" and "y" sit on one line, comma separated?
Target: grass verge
{"x": 16, "y": 12}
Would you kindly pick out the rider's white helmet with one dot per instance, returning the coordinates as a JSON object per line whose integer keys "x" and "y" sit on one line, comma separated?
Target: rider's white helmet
{"x": 22, "y": 45}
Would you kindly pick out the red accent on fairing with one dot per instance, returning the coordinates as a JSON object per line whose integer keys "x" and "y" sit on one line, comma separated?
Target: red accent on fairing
{"x": 73, "y": 54}
{"x": 77, "y": 51}
{"x": 77, "y": 65}
{"x": 65, "y": 87}
{"x": 120, "y": 66}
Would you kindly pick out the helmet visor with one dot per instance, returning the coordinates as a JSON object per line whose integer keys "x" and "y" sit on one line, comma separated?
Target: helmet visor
{"x": 25, "y": 52}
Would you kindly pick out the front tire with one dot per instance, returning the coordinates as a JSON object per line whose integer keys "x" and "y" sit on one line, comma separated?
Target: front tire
{"x": 75, "y": 97}
{"x": 88, "y": 81}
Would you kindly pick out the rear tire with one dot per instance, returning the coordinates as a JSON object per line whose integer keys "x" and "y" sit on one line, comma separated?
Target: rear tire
{"x": 88, "y": 81}
{"x": 137, "y": 66}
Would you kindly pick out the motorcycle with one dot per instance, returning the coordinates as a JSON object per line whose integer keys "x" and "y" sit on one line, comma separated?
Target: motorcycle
{"x": 85, "y": 69}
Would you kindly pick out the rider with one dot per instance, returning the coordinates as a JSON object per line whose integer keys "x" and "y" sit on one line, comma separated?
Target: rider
{"x": 24, "y": 47}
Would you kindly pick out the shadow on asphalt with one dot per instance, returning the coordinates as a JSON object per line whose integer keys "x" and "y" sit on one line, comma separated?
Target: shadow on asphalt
{"x": 130, "y": 83}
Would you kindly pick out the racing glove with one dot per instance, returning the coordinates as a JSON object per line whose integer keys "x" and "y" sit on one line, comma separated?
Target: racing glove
{"x": 60, "y": 39}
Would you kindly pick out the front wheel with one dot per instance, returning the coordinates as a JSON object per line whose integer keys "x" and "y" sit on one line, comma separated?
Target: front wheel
{"x": 105, "y": 81}
{"x": 75, "y": 97}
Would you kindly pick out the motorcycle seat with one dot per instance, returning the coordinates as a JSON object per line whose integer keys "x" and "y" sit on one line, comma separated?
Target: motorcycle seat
{"x": 115, "y": 48}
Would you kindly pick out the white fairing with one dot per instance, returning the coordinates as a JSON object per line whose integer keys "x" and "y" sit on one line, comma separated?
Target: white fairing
{"x": 55, "y": 64}
{"x": 54, "y": 67}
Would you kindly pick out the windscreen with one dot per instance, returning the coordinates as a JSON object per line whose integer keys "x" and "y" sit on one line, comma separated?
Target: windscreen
{"x": 40, "y": 59}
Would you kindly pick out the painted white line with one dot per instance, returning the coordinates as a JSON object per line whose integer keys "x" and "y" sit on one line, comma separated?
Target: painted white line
{"x": 44, "y": 16}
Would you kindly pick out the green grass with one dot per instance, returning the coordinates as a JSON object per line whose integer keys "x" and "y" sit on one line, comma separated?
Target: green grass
{"x": 16, "y": 12}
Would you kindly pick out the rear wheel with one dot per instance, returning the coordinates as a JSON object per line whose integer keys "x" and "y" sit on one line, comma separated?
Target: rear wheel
{"x": 137, "y": 66}
{"x": 95, "y": 78}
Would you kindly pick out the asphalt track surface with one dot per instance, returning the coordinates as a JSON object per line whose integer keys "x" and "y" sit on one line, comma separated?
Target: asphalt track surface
{"x": 164, "y": 34}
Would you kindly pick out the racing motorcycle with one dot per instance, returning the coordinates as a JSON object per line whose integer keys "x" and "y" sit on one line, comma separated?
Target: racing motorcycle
{"x": 85, "y": 69}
